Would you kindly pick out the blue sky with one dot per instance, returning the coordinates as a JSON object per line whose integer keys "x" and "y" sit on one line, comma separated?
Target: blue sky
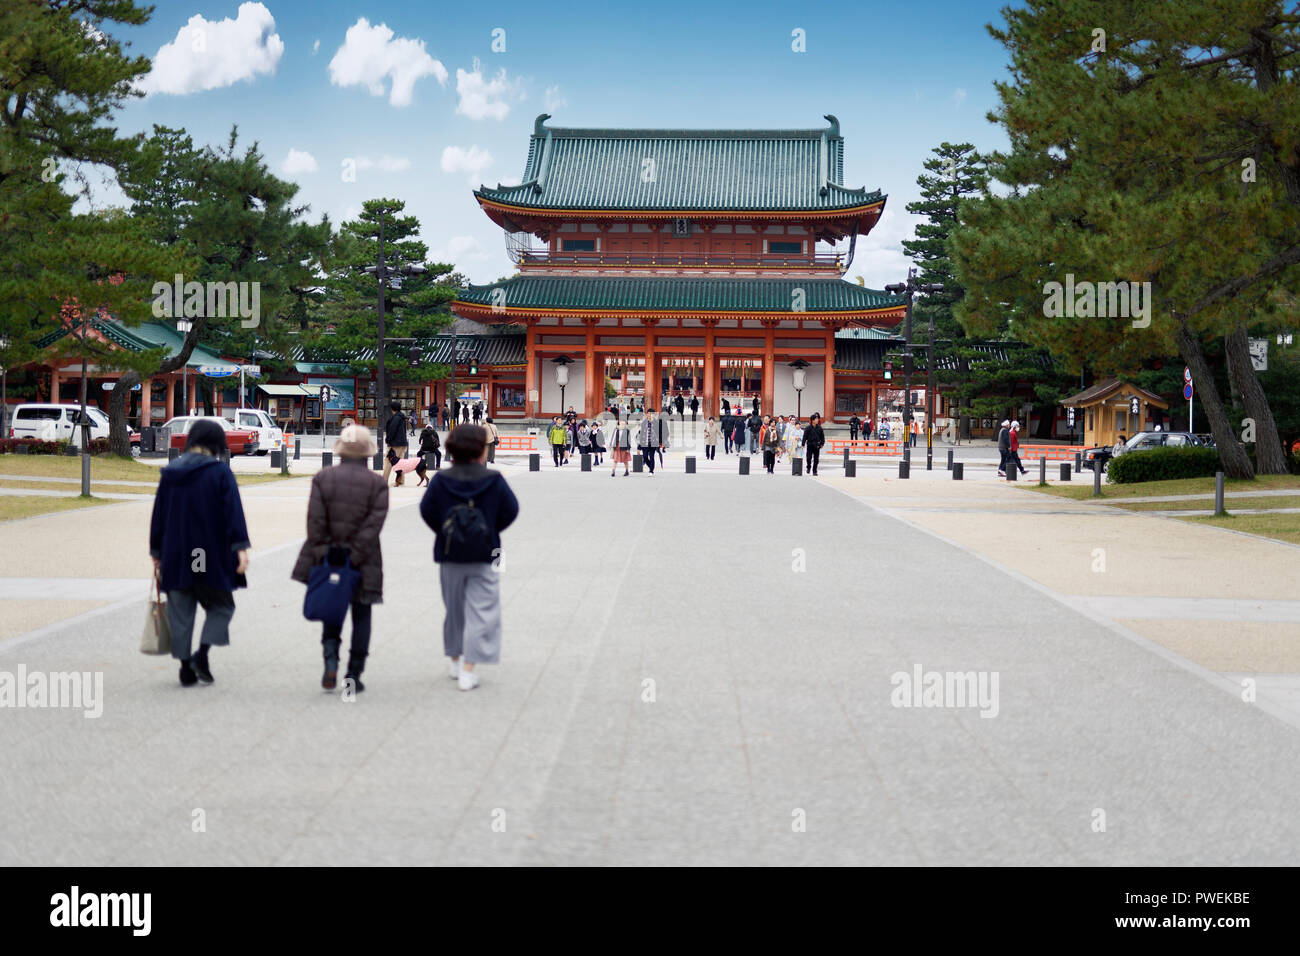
{"x": 414, "y": 94}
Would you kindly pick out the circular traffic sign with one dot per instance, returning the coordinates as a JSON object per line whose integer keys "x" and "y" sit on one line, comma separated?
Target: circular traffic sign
{"x": 1187, "y": 391}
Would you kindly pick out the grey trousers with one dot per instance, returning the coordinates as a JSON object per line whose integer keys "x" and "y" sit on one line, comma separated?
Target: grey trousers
{"x": 182, "y": 606}
{"x": 472, "y": 626}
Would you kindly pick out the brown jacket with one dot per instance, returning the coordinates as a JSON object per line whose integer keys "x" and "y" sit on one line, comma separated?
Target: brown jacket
{"x": 348, "y": 506}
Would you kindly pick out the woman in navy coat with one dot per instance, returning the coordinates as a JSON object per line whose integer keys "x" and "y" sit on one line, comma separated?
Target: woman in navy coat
{"x": 199, "y": 543}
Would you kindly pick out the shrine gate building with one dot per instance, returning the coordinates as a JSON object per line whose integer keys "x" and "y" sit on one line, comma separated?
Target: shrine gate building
{"x": 693, "y": 262}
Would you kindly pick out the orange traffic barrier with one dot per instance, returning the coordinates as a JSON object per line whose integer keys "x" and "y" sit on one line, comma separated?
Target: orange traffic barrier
{"x": 866, "y": 446}
{"x": 518, "y": 443}
{"x": 1050, "y": 452}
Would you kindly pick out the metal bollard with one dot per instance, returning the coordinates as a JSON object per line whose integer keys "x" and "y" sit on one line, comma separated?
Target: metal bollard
{"x": 173, "y": 453}
{"x": 1065, "y": 471}
{"x": 957, "y": 469}
{"x": 690, "y": 464}
{"x": 638, "y": 463}
{"x": 744, "y": 464}
{"x": 1078, "y": 461}
{"x": 379, "y": 462}
{"x": 1012, "y": 471}
{"x": 1218, "y": 492}
{"x": 846, "y": 457}
{"x": 905, "y": 467}
{"x": 850, "y": 469}
{"x": 326, "y": 459}
{"x": 1096, "y": 478}
{"x": 284, "y": 462}
{"x": 534, "y": 461}
{"x": 1042, "y": 470}
{"x": 586, "y": 461}
{"x": 275, "y": 459}
{"x": 796, "y": 466}
{"x": 950, "y": 459}
{"x": 297, "y": 449}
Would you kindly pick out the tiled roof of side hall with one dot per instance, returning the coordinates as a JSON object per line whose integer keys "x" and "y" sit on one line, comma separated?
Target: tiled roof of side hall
{"x": 617, "y": 293}
{"x": 794, "y": 170}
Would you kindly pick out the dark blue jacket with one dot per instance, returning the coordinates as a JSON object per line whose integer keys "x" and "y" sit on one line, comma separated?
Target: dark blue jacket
{"x": 458, "y": 484}
{"x": 197, "y": 507}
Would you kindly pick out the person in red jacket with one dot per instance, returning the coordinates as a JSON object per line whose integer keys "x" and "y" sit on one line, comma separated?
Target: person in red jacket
{"x": 1013, "y": 456}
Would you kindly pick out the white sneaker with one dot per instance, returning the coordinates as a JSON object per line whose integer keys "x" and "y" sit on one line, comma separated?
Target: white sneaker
{"x": 453, "y": 669}
{"x": 468, "y": 680}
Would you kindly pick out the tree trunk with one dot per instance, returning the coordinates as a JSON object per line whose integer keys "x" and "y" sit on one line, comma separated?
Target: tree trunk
{"x": 119, "y": 443}
{"x": 1269, "y": 457}
{"x": 1235, "y": 461}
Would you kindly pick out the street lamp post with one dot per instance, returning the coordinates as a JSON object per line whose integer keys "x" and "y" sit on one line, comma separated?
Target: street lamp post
{"x": 910, "y": 288}
{"x": 562, "y": 364}
{"x": 4, "y": 388}
{"x": 183, "y": 326}
{"x": 800, "y": 383}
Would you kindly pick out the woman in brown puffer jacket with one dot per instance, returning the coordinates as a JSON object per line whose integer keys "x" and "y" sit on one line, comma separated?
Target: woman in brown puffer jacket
{"x": 348, "y": 506}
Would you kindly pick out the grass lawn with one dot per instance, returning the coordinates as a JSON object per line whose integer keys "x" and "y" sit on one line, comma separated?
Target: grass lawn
{"x": 27, "y": 506}
{"x": 103, "y": 469}
{"x": 1181, "y": 486}
{"x": 96, "y": 487}
{"x": 1281, "y": 527}
{"x": 1201, "y": 504}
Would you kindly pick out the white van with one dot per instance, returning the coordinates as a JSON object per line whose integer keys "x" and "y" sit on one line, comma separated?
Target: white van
{"x": 50, "y": 422}
{"x": 270, "y": 437}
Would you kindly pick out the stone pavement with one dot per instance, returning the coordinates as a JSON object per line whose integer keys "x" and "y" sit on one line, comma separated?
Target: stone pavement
{"x": 696, "y": 669}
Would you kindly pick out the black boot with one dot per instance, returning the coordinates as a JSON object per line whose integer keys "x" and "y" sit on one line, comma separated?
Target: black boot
{"x": 188, "y": 677}
{"x": 330, "y": 645}
{"x": 356, "y": 664}
{"x": 200, "y": 664}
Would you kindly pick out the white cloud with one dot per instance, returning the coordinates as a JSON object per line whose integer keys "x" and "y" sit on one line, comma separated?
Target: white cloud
{"x": 315, "y": 48}
{"x": 959, "y": 96}
{"x": 298, "y": 161}
{"x": 554, "y": 102}
{"x": 370, "y": 55}
{"x": 879, "y": 257}
{"x": 485, "y": 99}
{"x": 208, "y": 54}
{"x": 472, "y": 161}
{"x": 460, "y": 249}
{"x": 385, "y": 163}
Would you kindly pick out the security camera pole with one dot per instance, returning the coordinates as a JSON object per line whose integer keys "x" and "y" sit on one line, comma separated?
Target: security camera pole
{"x": 909, "y": 289}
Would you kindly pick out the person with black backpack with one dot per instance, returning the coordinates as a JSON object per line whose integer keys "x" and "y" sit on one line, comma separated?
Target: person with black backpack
{"x": 468, "y": 506}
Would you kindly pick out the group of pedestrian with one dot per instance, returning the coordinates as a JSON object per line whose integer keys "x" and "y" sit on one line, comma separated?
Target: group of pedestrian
{"x": 574, "y": 435}
{"x": 198, "y": 540}
{"x": 464, "y": 412}
{"x": 1009, "y": 448}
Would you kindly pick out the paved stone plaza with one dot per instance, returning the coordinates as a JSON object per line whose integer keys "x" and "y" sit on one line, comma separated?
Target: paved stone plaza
{"x": 696, "y": 669}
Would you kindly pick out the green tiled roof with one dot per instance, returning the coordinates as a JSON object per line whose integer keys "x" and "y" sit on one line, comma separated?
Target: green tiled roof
{"x": 142, "y": 338}
{"x": 792, "y": 170}
{"x": 684, "y": 294}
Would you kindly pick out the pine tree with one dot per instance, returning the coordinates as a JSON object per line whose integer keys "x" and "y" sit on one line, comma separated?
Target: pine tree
{"x": 1165, "y": 152}
{"x": 416, "y": 307}
{"x": 61, "y": 79}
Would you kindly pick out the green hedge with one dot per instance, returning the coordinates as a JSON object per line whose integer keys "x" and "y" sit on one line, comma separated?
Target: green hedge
{"x": 1163, "y": 464}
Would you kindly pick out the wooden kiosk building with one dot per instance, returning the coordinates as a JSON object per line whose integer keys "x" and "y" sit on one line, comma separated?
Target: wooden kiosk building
{"x": 674, "y": 261}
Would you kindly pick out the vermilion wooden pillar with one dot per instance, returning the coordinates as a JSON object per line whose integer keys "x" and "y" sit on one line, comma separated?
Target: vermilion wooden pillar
{"x": 828, "y": 408}
{"x": 768, "y": 402}
{"x": 710, "y": 403}
{"x": 590, "y": 372}
{"x": 531, "y": 388}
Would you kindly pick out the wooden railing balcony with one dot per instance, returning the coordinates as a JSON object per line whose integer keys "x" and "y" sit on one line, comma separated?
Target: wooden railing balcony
{"x": 534, "y": 257}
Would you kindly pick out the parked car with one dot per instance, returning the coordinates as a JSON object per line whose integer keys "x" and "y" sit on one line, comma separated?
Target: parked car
{"x": 270, "y": 437}
{"x": 242, "y": 441}
{"x": 53, "y": 422}
{"x": 1142, "y": 441}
